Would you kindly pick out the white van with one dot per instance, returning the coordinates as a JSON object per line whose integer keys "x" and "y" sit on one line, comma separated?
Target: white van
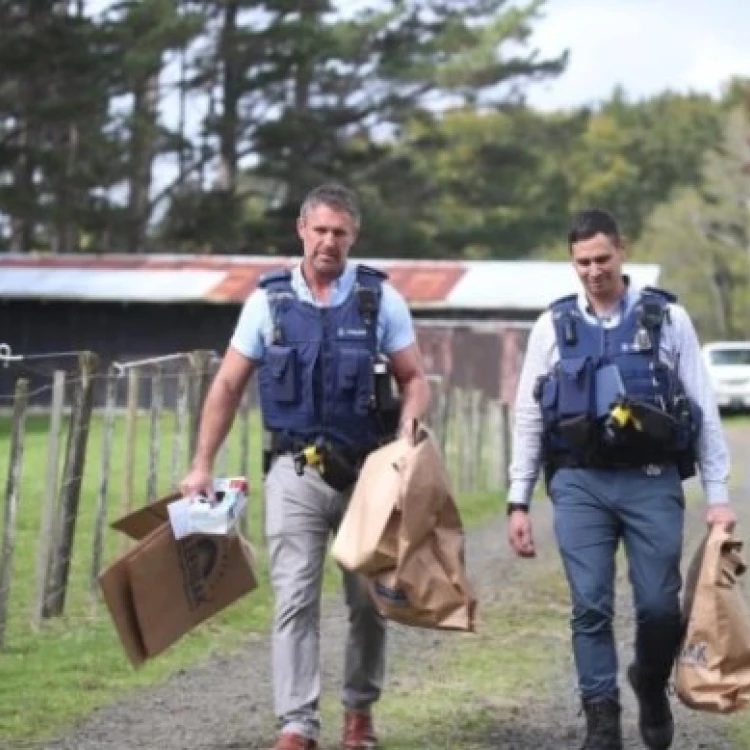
{"x": 728, "y": 364}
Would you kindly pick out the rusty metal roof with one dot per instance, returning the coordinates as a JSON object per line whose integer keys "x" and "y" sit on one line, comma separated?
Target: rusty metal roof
{"x": 471, "y": 285}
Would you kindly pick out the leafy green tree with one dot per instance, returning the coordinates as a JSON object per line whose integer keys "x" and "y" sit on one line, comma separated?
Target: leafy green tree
{"x": 489, "y": 183}
{"x": 702, "y": 238}
{"x": 632, "y": 155}
{"x": 53, "y": 112}
{"x": 340, "y": 92}
{"x": 142, "y": 32}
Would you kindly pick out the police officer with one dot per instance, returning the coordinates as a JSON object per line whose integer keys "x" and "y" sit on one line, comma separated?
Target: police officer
{"x": 615, "y": 403}
{"x": 314, "y": 335}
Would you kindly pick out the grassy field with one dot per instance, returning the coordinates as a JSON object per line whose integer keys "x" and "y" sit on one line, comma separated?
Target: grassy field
{"x": 75, "y": 661}
{"x": 77, "y": 664}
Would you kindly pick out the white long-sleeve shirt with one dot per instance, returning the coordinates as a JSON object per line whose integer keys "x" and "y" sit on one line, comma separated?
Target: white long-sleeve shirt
{"x": 678, "y": 348}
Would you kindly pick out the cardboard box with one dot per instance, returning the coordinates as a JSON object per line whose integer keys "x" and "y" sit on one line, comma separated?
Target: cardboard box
{"x": 163, "y": 588}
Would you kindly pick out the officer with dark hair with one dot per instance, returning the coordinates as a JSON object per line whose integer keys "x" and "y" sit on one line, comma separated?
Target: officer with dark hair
{"x": 325, "y": 338}
{"x": 615, "y": 404}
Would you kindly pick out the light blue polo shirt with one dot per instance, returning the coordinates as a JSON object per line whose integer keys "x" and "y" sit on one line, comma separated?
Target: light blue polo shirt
{"x": 395, "y": 330}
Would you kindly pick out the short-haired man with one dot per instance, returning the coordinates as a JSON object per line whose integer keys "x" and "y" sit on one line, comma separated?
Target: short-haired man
{"x": 315, "y": 335}
{"x": 615, "y": 402}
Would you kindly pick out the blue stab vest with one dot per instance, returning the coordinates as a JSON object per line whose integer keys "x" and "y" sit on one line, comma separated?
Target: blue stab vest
{"x": 570, "y": 397}
{"x": 316, "y": 378}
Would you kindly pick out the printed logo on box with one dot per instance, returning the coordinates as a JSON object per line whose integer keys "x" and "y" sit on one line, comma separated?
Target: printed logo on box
{"x": 203, "y": 560}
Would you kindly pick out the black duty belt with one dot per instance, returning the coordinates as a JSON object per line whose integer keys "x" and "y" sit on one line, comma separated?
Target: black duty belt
{"x": 338, "y": 466}
{"x": 284, "y": 445}
{"x": 568, "y": 462}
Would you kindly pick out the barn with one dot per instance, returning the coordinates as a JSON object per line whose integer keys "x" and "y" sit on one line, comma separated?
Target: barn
{"x": 472, "y": 317}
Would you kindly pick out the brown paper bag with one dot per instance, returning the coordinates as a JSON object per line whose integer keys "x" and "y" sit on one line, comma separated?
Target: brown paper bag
{"x": 428, "y": 586}
{"x": 713, "y": 667}
{"x": 366, "y": 541}
{"x": 430, "y": 590}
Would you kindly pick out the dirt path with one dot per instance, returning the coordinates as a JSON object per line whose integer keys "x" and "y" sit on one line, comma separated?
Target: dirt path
{"x": 226, "y": 704}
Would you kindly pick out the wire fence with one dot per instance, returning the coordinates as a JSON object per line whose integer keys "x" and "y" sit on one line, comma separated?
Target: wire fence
{"x": 86, "y": 446}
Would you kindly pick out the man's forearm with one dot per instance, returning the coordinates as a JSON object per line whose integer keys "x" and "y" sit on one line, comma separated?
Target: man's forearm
{"x": 216, "y": 420}
{"x": 415, "y": 398}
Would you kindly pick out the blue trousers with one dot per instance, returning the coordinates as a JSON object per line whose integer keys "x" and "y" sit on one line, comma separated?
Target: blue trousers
{"x": 593, "y": 511}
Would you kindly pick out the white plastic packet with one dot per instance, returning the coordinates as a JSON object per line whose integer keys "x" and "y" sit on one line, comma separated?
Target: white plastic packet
{"x": 199, "y": 515}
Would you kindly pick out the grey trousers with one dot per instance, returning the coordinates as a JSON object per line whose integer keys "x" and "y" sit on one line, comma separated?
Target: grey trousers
{"x": 301, "y": 514}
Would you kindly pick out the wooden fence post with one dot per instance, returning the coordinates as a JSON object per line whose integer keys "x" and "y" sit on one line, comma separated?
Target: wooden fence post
{"x": 131, "y": 431}
{"x": 432, "y": 417}
{"x": 222, "y": 459}
{"x": 180, "y": 425}
{"x": 473, "y": 438}
{"x": 494, "y": 444}
{"x": 200, "y": 362}
{"x": 244, "y": 462}
{"x": 464, "y": 439}
{"x": 157, "y": 403}
{"x": 49, "y": 530}
{"x": 70, "y": 491}
{"x": 480, "y": 441}
{"x": 445, "y": 415}
{"x": 110, "y": 404}
{"x": 12, "y": 495}
{"x": 505, "y": 446}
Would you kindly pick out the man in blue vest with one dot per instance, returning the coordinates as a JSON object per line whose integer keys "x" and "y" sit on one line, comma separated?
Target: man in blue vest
{"x": 616, "y": 405}
{"x": 317, "y": 335}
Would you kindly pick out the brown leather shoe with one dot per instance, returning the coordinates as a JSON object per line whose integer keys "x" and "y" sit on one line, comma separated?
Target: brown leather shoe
{"x": 292, "y": 741}
{"x": 359, "y": 734}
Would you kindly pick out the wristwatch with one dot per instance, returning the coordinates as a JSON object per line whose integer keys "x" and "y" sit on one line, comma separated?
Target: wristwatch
{"x": 512, "y": 507}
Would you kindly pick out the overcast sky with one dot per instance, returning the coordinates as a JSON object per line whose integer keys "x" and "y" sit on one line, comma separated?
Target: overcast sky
{"x": 645, "y": 45}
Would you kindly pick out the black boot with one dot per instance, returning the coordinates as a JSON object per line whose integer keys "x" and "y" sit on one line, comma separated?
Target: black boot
{"x": 655, "y": 716}
{"x": 603, "y": 730}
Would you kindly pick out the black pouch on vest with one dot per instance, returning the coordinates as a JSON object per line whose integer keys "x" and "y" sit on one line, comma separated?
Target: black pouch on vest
{"x": 337, "y": 471}
{"x": 577, "y": 432}
{"x": 282, "y": 363}
{"x": 657, "y": 426}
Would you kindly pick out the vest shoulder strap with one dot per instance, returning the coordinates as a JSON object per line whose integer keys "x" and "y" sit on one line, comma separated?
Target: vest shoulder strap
{"x": 652, "y": 309}
{"x": 564, "y": 303}
{"x": 369, "y": 292}
{"x": 365, "y": 273}
{"x": 275, "y": 278}
{"x": 565, "y": 319}
{"x": 278, "y": 287}
{"x": 663, "y": 293}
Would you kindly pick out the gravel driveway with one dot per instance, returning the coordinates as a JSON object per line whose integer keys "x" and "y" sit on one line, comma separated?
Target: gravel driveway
{"x": 226, "y": 703}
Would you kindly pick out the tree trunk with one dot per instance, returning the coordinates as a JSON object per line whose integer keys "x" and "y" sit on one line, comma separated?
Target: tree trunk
{"x": 231, "y": 96}
{"x": 67, "y": 229}
{"x": 22, "y": 224}
{"x": 142, "y": 152}
{"x": 67, "y": 226}
{"x": 303, "y": 80}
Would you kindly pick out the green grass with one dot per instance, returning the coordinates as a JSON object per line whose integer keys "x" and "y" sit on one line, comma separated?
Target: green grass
{"x": 460, "y": 693}
{"x": 736, "y": 420}
{"x": 76, "y": 661}
{"x": 740, "y": 729}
